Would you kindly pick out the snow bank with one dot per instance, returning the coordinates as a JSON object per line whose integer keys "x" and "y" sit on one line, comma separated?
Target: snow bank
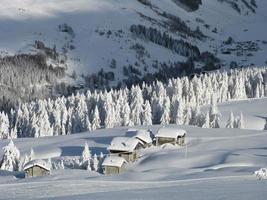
{"x": 261, "y": 173}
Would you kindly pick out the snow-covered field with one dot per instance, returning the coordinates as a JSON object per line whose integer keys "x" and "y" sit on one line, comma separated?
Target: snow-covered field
{"x": 217, "y": 164}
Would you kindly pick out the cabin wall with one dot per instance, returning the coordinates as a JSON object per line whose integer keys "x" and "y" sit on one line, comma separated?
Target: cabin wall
{"x": 127, "y": 156}
{"x": 109, "y": 170}
{"x": 36, "y": 171}
{"x": 162, "y": 140}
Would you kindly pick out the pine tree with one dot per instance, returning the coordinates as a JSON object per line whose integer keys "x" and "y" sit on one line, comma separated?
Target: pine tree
{"x": 180, "y": 113}
{"x": 86, "y": 157}
{"x": 101, "y": 160}
{"x": 126, "y": 116}
{"x": 32, "y": 155}
{"x": 231, "y": 121}
{"x": 11, "y": 158}
{"x": 206, "y": 123}
{"x": 95, "y": 163}
{"x": 240, "y": 121}
{"x": 165, "y": 117}
{"x": 88, "y": 126}
{"x": 136, "y": 105}
{"x": 4, "y": 126}
{"x": 96, "y": 119}
{"x": 147, "y": 114}
{"x": 214, "y": 114}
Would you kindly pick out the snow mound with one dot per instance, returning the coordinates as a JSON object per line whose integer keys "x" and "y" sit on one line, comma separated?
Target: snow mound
{"x": 261, "y": 173}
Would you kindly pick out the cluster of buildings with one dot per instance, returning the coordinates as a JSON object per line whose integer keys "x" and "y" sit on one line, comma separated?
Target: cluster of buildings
{"x": 122, "y": 150}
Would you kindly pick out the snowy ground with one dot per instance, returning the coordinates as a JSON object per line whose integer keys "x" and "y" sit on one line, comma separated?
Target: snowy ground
{"x": 219, "y": 164}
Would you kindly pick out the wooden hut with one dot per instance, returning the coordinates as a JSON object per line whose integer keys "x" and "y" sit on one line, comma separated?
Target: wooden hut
{"x": 125, "y": 147}
{"x": 145, "y": 137}
{"x": 36, "y": 168}
{"x": 113, "y": 165}
{"x": 171, "y": 135}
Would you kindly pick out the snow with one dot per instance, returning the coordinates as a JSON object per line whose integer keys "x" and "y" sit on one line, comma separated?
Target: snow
{"x": 123, "y": 144}
{"x": 170, "y": 132}
{"x": 218, "y": 164}
{"x": 144, "y": 135}
{"x": 40, "y": 163}
{"x": 261, "y": 173}
{"x": 23, "y": 22}
{"x": 115, "y": 161}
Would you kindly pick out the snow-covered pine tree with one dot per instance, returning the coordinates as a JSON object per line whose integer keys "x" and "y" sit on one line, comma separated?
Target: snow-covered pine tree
{"x": 147, "y": 114}
{"x": 4, "y": 126}
{"x": 95, "y": 163}
{"x": 231, "y": 121}
{"x": 86, "y": 157}
{"x": 109, "y": 110}
{"x": 195, "y": 116}
{"x": 165, "y": 117}
{"x": 136, "y": 105}
{"x": 32, "y": 155}
{"x": 180, "y": 113}
{"x": 240, "y": 121}
{"x": 214, "y": 114}
{"x": 101, "y": 160}
{"x": 126, "y": 116}
{"x": 96, "y": 119}
{"x": 206, "y": 123}
{"x": 11, "y": 158}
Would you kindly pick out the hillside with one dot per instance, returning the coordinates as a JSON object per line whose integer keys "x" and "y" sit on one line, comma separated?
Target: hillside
{"x": 84, "y": 37}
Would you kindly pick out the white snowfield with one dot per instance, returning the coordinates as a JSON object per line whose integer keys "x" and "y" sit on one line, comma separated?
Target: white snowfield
{"x": 216, "y": 164}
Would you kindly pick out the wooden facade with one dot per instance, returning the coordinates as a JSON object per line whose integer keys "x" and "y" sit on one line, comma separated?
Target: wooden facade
{"x": 128, "y": 156}
{"x": 35, "y": 171}
{"x": 109, "y": 170}
{"x": 180, "y": 140}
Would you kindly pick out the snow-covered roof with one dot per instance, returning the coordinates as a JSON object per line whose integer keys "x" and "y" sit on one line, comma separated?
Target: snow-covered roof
{"x": 40, "y": 163}
{"x": 170, "y": 132}
{"x": 130, "y": 130}
{"x": 115, "y": 161}
{"x": 144, "y": 135}
{"x": 123, "y": 144}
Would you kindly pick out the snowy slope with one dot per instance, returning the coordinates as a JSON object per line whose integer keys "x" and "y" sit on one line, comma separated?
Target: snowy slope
{"x": 218, "y": 164}
{"x": 23, "y": 22}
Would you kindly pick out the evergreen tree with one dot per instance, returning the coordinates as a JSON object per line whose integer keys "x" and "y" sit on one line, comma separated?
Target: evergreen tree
{"x": 231, "y": 121}
{"x": 147, "y": 114}
{"x": 86, "y": 157}
{"x": 180, "y": 113}
{"x": 4, "y": 126}
{"x": 95, "y": 163}
{"x": 96, "y": 119}
{"x": 240, "y": 121}
{"x": 11, "y": 158}
{"x": 165, "y": 117}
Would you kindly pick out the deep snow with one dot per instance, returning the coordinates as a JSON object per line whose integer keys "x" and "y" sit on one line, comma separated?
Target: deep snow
{"x": 217, "y": 164}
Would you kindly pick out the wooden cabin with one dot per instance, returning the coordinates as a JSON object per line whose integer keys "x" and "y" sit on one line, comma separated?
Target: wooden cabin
{"x": 36, "y": 168}
{"x": 145, "y": 137}
{"x": 125, "y": 147}
{"x": 113, "y": 165}
{"x": 171, "y": 135}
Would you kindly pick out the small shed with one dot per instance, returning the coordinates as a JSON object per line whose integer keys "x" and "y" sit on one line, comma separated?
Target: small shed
{"x": 170, "y": 135}
{"x": 145, "y": 137}
{"x": 125, "y": 147}
{"x": 36, "y": 168}
{"x": 113, "y": 165}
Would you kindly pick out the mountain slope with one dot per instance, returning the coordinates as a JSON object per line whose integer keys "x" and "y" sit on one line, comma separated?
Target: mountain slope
{"x": 90, "y": 35}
